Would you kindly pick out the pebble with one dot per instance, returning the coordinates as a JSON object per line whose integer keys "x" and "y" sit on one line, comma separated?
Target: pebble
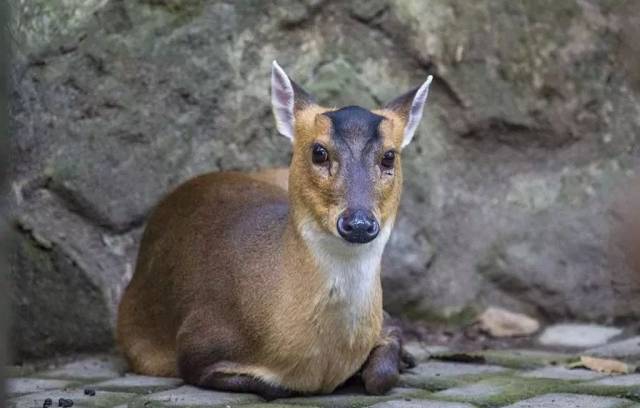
{"x": 65, "y": 403}
{"x": 578, "y": 335}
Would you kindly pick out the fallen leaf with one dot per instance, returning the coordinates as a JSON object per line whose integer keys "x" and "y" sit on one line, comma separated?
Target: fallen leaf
{"x": 498, "y": 322}
{"x": 602, "y": 365}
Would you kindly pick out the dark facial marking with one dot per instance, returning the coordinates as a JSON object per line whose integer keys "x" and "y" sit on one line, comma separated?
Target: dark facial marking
{"x": 354, "y": 126}
{"x": 355, "y": 132}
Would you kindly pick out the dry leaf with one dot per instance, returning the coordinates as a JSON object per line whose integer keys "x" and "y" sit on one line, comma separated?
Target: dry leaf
{"x": 602, "y": 365}
{"x": 503, "y": 323}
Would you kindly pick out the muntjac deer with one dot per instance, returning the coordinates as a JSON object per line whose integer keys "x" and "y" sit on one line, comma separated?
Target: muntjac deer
{"x": 245, "y": 285}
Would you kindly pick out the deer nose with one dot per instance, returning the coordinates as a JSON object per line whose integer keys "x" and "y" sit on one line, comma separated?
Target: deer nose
{"x": 358, "y": 226}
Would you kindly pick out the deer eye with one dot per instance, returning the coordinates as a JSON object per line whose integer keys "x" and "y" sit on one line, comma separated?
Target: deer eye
{"x": 319, "y": 154}
{"x": 388, "y": 160}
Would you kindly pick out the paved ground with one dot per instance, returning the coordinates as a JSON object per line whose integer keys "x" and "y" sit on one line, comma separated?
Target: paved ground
{"x": 491, "y": 378}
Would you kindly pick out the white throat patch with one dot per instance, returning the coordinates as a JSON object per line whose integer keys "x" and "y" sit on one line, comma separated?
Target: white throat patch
{"x": 352, "y": 270}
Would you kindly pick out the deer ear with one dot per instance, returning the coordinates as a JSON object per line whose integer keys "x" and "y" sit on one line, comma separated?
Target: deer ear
{"x": 287, "y": 98}
{"x": 409, "y": 106}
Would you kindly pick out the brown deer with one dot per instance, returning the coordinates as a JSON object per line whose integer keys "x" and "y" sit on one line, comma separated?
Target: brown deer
{"x": 246, "y": 284}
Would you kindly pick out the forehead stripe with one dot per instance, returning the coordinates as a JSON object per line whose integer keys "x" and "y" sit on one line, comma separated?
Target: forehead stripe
{"x": 353, "y": 124}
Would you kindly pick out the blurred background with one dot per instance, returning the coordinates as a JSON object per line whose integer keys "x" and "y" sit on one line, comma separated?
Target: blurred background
{"x": 515, "y": 187}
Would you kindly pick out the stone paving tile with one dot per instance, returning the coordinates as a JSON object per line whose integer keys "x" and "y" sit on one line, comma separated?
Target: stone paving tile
{"x": 562, "y": 373}
{"x": 571, "y": 401}
{"x": 499, "y": 391}
{"x": 524, "y": 358}
{"x": 472, "y": 392}
{"x": 269, "y": 405}
{"x": 21, "y": 386}
{"x": 87, "y": 369}
{"x": 188, "y": 396}
{"x": 352, "y": 399}
{"x": 422, "y": 351}
{"x": 436, "y": 375}
{"x": 421, "y": 404}
{"x": 577, "y": 335}
{"x": 630, "y": 380}
{"x": 101, "y": 399}
{"x": 137, "y": 384}
{"x": 629, "y": 348}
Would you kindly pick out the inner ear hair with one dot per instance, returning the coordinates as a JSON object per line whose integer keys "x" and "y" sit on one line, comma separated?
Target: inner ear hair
{"x": 409, "y": 107}
{"x": 287, "y": 98}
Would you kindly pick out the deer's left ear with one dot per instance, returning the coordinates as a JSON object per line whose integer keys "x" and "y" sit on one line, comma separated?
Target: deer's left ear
{"x": 409, "y": 107}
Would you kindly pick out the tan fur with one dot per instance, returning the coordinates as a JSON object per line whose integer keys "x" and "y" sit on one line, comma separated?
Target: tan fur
{"x": 225, "y": 269}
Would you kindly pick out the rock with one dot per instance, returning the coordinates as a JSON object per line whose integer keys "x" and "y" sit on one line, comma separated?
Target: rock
{"x": 561, "y": 373}
{"x": 346, "y": 398}
{"x": 101, "y": 399}
{"x": 472, "y": 392}
{"x": 138, "y": 384}
{"x": 499, "y": 322}
{"x": 571, "y": 400}
{"x": 21, "y": 386}
{"x": 629, "y": 348}
{"x": 577, "y": 335}
{"x": 420, "y": 404}
{"x": 188, "y": 396}
{"x": 421, "y": 352}
{"x": 631, "y": 380}
{"x": 438, "y": 375}
{"x": 526, "y": 138}
{"x": 88, "y": 369}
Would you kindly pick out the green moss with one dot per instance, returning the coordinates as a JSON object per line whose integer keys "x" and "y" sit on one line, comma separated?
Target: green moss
{"x": 435, "y": 384}
{"x": 628, "y": 392}
{"x": 353, "y": 400}
{"x": 448, "y": 317}
{"x": 504, "y": 390}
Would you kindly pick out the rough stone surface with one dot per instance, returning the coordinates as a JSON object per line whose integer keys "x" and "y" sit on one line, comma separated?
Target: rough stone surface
{"x": 101, "y": 399}
{"x": 578, "y": 335}
{"x": 561, "y": 373}
{"x": 420, "y": 404}
{"x": 188, "y": 396}
{"x": 434, "y": 375}
{"x": 137, "y": 383}
{"x": 89, "y": 369}
{"x": 524, "y": 358}
{"x": 570, "y": 400}
{"x": 19, "y": 386}
{"x": 631, "y": 380}
{"x": 472, "y": 392}
{"x": 350, "y": 399}
{"x": 461, "y": 386}
{"x": 628, "y": 348}
{"x": 530, "y": 130}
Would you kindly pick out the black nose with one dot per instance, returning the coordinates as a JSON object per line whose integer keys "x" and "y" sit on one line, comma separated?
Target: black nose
{"x": 358, "y": 226}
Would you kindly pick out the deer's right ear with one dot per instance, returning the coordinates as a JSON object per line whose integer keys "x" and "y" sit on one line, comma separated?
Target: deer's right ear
{"x": 287, "y": 98}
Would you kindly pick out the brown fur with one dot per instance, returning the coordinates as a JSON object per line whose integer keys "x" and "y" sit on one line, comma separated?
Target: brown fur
{"x": 226, "y": 287}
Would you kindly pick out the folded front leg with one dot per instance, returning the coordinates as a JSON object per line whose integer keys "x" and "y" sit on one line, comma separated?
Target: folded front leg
{"x": 387, "y": 359}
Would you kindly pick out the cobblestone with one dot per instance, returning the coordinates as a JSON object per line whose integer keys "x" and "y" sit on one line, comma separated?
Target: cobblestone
{"x": 570, "y": 400}
{"x": 490, "y": 378}
{"x": 137, "y": 384}
{"x": 20, "y": 386}
{"x": 578, "y": 335}
{"x": 562, "y": 373}
{"x": 629, "y": 348}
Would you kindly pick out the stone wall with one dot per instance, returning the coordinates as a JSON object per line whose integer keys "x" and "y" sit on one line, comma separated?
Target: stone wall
{"x": 530, "y": 132}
